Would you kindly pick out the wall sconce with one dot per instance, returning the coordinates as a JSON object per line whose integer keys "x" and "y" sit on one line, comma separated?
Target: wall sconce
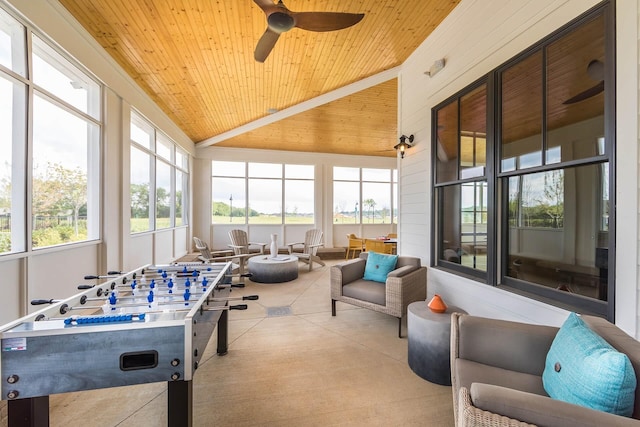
{"x": 405, "y": 142}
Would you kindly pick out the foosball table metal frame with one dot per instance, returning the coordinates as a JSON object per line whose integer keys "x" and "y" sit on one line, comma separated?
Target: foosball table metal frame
{"x": 41, "y": 355}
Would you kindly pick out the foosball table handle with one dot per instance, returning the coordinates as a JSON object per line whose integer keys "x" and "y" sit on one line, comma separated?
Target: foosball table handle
{"x": 238, "y": 307}
{"x": 43, "y": 301}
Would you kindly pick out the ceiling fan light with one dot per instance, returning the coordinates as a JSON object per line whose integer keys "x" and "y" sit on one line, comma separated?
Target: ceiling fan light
{"x": 280, "y": 22}
{"x": 595, "y": 70}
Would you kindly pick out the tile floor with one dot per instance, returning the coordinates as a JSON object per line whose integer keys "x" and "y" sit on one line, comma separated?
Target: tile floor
{"x": 305, "y": 368}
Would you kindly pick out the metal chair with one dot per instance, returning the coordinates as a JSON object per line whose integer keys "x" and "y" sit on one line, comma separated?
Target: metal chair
{"x": 312, "y": 241}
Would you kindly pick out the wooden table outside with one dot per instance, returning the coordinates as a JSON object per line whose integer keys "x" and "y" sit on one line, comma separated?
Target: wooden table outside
{"x": 383, "y": 246}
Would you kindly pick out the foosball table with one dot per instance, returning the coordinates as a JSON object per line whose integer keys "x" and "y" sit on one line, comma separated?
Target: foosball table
{"x": 149, "y": 325}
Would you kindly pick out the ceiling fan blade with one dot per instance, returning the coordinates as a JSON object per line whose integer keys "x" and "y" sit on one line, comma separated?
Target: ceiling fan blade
{"x": 592, "y": 91}
{"x": 266, "y": 5}
{"x": 325, "y": 21}
{"x": 265, "y": 44}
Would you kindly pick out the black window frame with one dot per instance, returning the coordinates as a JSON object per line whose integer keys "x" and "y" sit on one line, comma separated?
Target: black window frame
{"x": 497, "y": 226}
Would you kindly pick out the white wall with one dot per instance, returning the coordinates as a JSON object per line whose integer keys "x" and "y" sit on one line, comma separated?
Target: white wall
{"x": 475, "y": 38}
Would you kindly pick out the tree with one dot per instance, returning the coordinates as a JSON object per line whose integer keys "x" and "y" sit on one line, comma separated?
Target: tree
{"x": 139, "y": 200}
{"x": 163, "y": 206}
{"x": 384, "y": 212}
{"x": 60, "y": 190}
{"x": 554, "y": 193}
{"x": 5, "y": 188}
{"x": 371, "y": 204}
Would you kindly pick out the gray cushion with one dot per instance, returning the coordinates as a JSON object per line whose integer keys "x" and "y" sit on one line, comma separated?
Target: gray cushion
{"x": 508, "y": 345}
{"x": 366, "y": 290}
{"x": 540, "y": 410}
{"x": 469, "y": 372}
{"x": 408, "y": 260}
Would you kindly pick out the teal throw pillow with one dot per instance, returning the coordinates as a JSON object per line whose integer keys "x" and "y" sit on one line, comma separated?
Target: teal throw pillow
{"x": 378, "y": 266}
{"x": 583, "y": 369}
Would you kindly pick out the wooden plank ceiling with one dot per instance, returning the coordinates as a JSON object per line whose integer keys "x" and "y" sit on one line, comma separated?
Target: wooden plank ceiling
{"x": 195, "y": 60}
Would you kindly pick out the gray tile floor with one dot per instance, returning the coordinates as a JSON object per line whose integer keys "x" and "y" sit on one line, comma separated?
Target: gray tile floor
{"x": 303, "y": 368}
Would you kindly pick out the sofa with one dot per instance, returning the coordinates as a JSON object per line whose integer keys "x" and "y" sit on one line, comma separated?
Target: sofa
{"x": 497, "y": 370}
{"x": 406, "y": 283}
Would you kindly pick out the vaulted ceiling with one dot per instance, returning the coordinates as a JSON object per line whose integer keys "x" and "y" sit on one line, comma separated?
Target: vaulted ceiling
{"x": 195, "y": 59}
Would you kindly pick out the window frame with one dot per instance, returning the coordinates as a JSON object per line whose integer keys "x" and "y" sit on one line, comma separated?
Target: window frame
{"x": 360, "y": 182}
{"x": 498, "y": 202}
{"x": 22, "y": 141}
{"x": 157, "y": 138}
{"x": 437, "y": 195}
{"x": 247, "y": 176}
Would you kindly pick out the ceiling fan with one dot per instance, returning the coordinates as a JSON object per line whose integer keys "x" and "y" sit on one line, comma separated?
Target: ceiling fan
{"x": 595, "y": 70}
{"x": 280, "y": 20}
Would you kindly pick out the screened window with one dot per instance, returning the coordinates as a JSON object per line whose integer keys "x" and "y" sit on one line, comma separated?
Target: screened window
{"x": 62, "y": 79}
{"x": 159, "y": 179}
{"x": 64, "y": 178}
{"x": 13, "y": 51}
{"x": 262, "y": 193}
{"x": 163, "y": 195}
{"x": 140, "y": 190}
{"x": 265, "y": 193}
{"x": 64, "y": 156}
{"x": 13, "y": 135}
{"x": 299, "y": 191}
{"x": 364, "y": 195}
{"x": 182, "y": 187}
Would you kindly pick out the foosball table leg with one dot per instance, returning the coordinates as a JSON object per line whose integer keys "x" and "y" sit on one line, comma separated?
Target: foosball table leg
{"x": 30, "y": 412}
{"x": 179, "y": 403}
{"x": 223, "y": 331}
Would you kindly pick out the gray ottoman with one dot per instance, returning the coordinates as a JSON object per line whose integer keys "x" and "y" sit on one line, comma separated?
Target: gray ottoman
{"x": 429, "y": 336}
{"x": 265, "y": 269}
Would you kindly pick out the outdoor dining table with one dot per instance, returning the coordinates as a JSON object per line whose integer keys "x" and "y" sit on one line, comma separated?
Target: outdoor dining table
{"x": 381, "y": 245}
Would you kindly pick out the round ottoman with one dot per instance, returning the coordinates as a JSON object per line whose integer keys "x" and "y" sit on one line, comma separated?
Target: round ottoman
{"x": 429, "y": 336}
{"x": 265, "y": 269}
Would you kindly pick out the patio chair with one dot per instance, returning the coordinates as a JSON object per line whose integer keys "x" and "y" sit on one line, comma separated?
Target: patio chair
{"x": 312, "y": 241}
{"x": 205, "y": 253}
{"x": 354, "y": 246}
{"x": 240, "y": 243}
{"x": 406, "y": 283}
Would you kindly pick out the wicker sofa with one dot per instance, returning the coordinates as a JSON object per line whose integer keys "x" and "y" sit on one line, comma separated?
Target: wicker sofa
{"x": 404, "y": 285}
{"x": 496, "y": 374}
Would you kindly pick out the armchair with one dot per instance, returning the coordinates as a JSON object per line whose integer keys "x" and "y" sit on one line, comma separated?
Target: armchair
{"x": 404, "y": 285}
{"x": 497, "y": 368}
